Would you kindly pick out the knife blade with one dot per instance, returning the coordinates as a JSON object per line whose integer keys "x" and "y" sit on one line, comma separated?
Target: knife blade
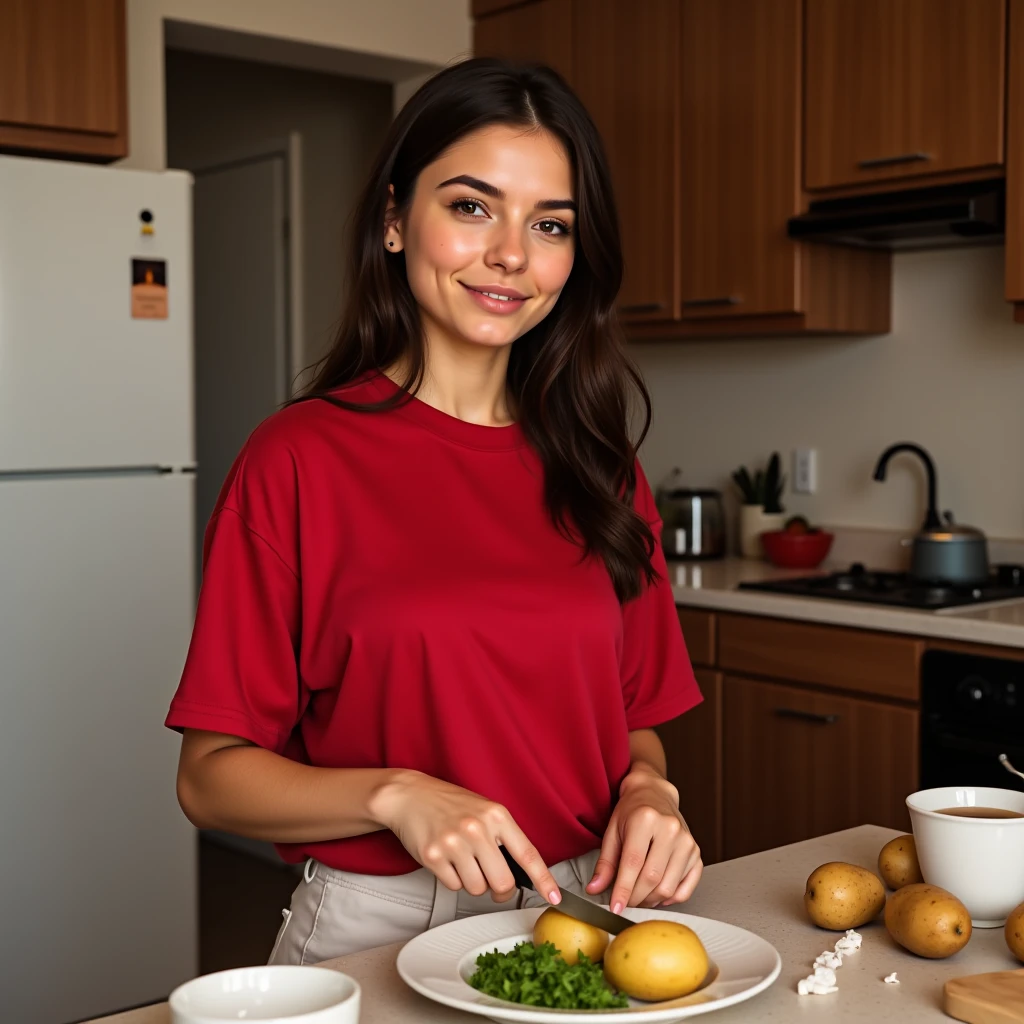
{"x": 573, "y": 905}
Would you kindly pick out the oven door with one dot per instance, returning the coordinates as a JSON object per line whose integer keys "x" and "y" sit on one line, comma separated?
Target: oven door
{"x": 972, "y": 710}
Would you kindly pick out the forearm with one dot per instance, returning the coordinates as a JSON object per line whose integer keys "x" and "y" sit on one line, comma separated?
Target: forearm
{"x": 647, "y": 752}
{"x": 256, "y": 793}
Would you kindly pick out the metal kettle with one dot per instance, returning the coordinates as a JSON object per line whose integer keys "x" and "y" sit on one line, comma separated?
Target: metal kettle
{"x": 693, "y": 521}
{"x": 941, "y": 550}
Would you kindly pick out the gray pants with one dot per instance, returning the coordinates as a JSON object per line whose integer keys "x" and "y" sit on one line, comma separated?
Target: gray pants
{"x": 334, "y": 913}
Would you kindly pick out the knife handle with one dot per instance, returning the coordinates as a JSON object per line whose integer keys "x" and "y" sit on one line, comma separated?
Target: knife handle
{"x": 521, "y": 878}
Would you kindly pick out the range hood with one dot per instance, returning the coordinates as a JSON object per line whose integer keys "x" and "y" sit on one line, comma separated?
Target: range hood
{"x": 911, "y": 218}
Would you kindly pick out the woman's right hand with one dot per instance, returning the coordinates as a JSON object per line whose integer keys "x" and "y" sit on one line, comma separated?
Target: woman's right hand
{"x": 455, "y": 834}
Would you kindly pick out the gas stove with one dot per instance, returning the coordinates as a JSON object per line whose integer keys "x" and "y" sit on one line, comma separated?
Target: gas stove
{"x": 899, "y": 589}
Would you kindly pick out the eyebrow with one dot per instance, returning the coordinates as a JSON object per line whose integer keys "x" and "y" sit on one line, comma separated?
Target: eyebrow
{"x": 496, "y": 193}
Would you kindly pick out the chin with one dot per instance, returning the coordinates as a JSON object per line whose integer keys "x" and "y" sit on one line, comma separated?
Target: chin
{"x": 487, "y": 337}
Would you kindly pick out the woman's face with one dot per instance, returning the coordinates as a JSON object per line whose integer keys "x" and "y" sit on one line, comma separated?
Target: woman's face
{"x": 493, "y": 214}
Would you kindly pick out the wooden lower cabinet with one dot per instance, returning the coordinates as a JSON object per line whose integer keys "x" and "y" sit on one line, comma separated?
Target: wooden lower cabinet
{"x": 693, "y": 748}
{"x": 799, "y": 763}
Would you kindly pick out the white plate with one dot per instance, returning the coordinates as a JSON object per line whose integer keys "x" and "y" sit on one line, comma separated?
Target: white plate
{"x": 438, "y": 964}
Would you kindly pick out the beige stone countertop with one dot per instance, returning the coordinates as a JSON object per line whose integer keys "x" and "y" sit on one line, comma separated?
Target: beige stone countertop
{"x": 763, "y": 893}
{"x": 712, "y": 585}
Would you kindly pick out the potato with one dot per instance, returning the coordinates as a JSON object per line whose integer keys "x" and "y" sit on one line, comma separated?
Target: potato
{"x": 1014, "y": 932}
{"x": 928, "y": 920}
{"x": 569, "y": 936}
{"x": 840, "y": 896}
{"x": 897, "y": 863}
{"x": 656, "y": 960}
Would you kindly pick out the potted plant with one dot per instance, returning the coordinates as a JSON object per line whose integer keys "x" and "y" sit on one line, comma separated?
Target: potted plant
{"x": 762, "y": 509}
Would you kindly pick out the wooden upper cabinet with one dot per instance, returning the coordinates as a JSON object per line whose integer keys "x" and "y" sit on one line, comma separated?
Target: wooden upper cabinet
{"x": 800, "y": 764}
{"x": 62, "y": 77}
{"x": 1015, "y": 161}
{"x": 626, "y": 71}
{"x": 903, "y": 88}
{"x": 740, "y": 70}
{"x": 540, "y": 30}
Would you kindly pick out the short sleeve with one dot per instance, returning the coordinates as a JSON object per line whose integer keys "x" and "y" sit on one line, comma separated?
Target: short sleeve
{"x": 241, "y": 674}
{"x": 658, "y": 683}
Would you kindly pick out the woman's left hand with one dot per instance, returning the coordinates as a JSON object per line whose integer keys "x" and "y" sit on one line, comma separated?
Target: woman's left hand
{"x": 647, "y": 848}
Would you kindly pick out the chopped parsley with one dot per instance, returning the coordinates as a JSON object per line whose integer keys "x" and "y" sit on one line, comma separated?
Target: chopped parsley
{"x": 538, "y": 976}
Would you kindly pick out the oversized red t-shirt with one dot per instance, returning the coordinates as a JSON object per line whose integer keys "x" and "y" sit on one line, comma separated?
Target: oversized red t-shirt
{"x": 388, "y": 590}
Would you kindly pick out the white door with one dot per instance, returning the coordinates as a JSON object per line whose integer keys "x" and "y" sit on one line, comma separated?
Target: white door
{"x": 86, "y": 380}
{"x": 98, "y": 862}
{"x": 242, "y": 283}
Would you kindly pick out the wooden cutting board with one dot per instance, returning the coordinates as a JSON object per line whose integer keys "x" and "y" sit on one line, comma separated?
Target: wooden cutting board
{"x": 996, "y": 998}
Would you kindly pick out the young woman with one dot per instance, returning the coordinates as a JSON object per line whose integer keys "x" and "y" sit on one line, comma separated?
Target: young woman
{"x": 434, "y": 617}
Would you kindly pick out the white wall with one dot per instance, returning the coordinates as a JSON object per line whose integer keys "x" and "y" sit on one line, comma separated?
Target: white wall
{"x": 215, "y": 104}
{"x": 950, "y": 376}
{"x": 392, "y": 40}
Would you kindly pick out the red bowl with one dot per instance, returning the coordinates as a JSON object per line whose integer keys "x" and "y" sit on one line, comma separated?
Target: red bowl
{"x": 796, "y": 550}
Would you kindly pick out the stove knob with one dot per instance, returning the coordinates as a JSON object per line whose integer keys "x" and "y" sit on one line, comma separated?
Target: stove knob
{"x": 1010, "y": 575}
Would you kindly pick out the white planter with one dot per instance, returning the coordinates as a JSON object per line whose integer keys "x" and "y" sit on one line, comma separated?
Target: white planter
{"x": 753, "y": 522}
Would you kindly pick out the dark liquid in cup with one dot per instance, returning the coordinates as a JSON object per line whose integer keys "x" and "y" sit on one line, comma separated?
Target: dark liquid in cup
{"x": 981, "y": 812}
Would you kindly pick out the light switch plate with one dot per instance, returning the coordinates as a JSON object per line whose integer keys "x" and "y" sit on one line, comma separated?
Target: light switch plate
{"x": 805, "y": 471}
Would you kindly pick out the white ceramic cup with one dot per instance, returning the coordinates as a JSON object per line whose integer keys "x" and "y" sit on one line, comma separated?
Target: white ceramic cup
{"x": 272, "y": 995}
{"x": 978, "y": 860}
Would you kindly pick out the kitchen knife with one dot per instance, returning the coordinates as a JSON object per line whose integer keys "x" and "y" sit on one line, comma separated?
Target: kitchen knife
{"x": 573, "y": 905}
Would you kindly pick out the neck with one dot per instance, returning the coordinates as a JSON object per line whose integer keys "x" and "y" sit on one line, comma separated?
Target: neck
{"x": 464, "y": 380}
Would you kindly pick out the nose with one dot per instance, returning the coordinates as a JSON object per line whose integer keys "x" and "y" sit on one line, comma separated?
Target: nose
{"x": 507, "y": 252}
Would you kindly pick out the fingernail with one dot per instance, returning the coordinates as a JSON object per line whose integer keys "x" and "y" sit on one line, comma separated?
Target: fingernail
{"x": 617, "y": 907}
{"x": 554, "y": 896}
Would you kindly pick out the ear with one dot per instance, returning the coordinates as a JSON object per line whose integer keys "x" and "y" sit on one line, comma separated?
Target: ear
{"x": 392, "y": 224}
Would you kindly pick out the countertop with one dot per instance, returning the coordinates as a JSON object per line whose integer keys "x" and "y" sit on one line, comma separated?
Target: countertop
{"x": 712, "y": 585}
{"x": 763, "y": 893}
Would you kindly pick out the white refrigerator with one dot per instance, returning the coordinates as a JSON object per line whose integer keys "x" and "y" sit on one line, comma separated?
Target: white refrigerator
{"x": 97, "y": 862}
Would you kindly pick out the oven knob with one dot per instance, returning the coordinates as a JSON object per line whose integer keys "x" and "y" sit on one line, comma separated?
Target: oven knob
{"x": 974, "y": 690}
{"x": 1010, "y": 575}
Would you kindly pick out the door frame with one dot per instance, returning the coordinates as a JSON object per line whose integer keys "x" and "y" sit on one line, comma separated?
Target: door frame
{"x": 289, "y": 149}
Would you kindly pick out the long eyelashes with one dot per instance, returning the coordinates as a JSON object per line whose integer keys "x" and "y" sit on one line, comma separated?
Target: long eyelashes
{"x": 467, "y": 207}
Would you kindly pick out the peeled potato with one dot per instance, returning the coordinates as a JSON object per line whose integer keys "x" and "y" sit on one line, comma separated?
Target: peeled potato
{"x": 840, "y": 896}
{"x": 1014, "y": 932}
{"x": 897, "y": 863}
{"x": 656, "y": 960}
{"x": 569, "y": 936}
{"x": 928, "y": 921}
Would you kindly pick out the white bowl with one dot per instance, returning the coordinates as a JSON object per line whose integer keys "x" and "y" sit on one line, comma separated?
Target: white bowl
{"x": 273, "y": 995}
{"x": 978, "y": 860}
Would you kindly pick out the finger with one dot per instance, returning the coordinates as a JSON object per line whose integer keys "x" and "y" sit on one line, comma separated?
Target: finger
{"x": 607, "y": 860}
{"x": 688, "y": 884}
{"x": 635, "y": 846}
{"x": 652, "y": 874}
{"x": 496, "y": 872}
{"x": 472, "y": 877}
{"x": 681, "y": 859}
{"x": 529, "y": 859}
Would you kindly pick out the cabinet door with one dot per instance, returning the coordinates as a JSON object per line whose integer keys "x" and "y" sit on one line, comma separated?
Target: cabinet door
{"x": 1015, "y": 161}
{"x": 62, "y": 76}
{"x": 740, "y": 70}
{"x": 800, "y": 764}
{"x": 626, "y": 71}
{"x": 898, "y": 88}
{"x": 693, "y": 748}
{"x": 539, "y": 31}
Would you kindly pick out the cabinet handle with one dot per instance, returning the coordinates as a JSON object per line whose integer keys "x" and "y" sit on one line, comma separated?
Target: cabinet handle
{"x": 806, "y": 716}
{"x": 888, "y": 161}
{"x": 643, "y": 307}
{"x": 721, "y": 300}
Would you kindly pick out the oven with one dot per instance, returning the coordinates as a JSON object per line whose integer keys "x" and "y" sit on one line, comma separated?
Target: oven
{"x": 972, "y": 710}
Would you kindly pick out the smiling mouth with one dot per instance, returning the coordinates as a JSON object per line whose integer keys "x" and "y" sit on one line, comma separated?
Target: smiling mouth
{"x": 499, "y": 296}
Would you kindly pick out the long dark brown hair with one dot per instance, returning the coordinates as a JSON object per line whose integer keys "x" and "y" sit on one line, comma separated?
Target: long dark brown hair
{"x": 569, "y": 379}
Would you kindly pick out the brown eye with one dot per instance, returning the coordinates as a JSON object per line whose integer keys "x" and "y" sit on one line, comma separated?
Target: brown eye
{"x": 469, "y": 207}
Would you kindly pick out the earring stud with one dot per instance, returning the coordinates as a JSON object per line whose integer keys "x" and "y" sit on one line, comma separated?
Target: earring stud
{"x": 391, "y": 244}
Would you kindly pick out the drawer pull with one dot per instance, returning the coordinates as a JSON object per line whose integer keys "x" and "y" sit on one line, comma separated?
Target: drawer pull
{"x": 889, "y": 161}
{"x": 643, "y": 307}
{"x": 806, "y": 716}
{"x": 720, "y": 300}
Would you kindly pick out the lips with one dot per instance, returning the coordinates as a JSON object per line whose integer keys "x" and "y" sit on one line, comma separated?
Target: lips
{"x": 496, "y": 298}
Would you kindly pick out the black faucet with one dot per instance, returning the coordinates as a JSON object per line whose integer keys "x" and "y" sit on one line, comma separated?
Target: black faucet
{"x": 932, "y": 520}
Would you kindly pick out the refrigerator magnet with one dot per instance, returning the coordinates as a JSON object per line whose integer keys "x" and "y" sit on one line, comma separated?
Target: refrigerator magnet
{"x": 149, "y": 289}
